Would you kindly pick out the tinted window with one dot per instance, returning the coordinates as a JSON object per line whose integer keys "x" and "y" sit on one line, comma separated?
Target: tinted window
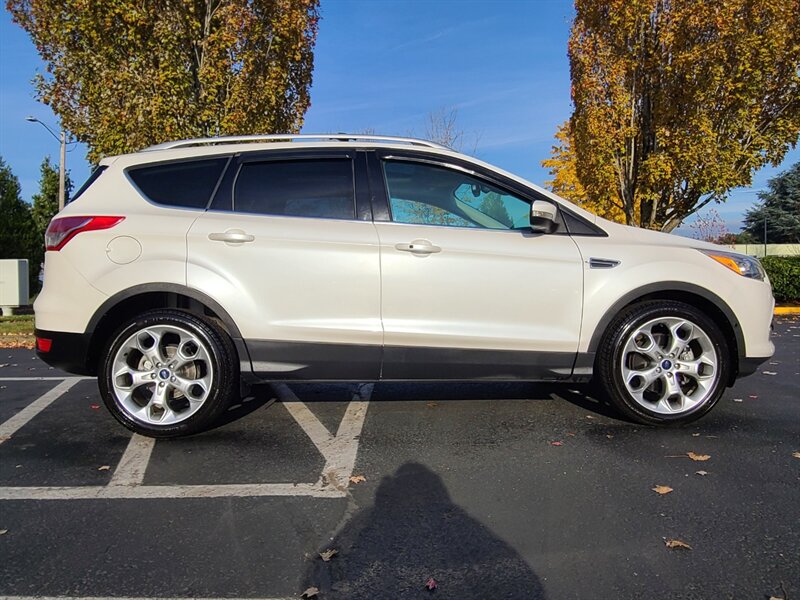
{"x": 92, "y": 178}
{"x": 430, "y": 195}
{"x": 321, "y": 189}
{"x": 187, "y": 184}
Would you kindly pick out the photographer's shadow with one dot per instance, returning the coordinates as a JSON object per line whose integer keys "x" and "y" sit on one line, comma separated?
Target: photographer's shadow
{"x": 413, "y": 533}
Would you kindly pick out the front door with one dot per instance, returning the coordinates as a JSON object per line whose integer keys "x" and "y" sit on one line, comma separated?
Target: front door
{"x": 467, "y": 290}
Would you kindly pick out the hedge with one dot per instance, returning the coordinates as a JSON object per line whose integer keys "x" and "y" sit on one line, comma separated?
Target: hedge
{"x": 784, "y": 274}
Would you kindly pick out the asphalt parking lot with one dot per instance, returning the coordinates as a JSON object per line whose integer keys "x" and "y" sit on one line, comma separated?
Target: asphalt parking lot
{"x": 491, "y": 490}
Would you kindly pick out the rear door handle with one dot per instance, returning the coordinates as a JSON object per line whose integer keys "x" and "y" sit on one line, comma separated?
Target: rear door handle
{"x": 419, "y": 247}
{"x": 232, "y": 236}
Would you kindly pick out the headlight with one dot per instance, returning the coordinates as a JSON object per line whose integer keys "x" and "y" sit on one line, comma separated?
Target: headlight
{"x": 746, "y": 266}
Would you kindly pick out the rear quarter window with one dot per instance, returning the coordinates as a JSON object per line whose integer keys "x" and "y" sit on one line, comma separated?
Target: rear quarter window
{"x": 184, "y": 184}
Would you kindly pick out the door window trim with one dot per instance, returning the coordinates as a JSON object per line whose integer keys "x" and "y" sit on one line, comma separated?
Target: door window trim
{"x": 381, "y": 207}
{"x": 223, "y": 200}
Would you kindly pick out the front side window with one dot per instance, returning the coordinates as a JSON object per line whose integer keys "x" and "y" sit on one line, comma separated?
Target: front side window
{"x": 316, "y": 188}
{"x": 423, "y": 194}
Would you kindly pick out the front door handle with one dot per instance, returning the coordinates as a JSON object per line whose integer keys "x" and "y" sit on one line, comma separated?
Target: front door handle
{"x": 232, "y": 236}
{"x": 419, "y": 247}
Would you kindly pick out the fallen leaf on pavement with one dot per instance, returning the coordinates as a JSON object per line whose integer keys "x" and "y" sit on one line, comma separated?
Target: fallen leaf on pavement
{"x": 103, "y": 468}
{"x": 769, "y": 372}
{"x": 698, "y": 457}
{"x": 695, "y": 435}
{"x": 796, "y": 454}
{"x": 570, "y": 434}
{"x": 703, "y": 473}
{"x": 556, "y": 443}
{"x": 94, "y": 406}
{"x": 431, "y": 584}
{"x": 431, "y": 404}
{"x": 328, "y": 554}
{"x": 753, "y": 397}
{"x": 610, "y": 436}
{"x": 737, "y": 400}
{"x": 662, "y": 489}
{"x": 310, "y": 593}
{"x": 357, "y": 479}
{"x": 677, "y": 544}
{"x": 3, "y": 531}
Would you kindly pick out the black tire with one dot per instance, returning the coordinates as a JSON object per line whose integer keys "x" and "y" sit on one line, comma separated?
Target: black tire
{"x": 609, "y": 365}
{"x": 218, "y": 350}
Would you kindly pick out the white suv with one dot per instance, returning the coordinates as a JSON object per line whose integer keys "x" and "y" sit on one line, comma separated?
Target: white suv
{"x": 180, "y": 274}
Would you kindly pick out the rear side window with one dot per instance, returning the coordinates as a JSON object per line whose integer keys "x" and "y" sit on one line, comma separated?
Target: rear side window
{"x": 316, "y": 188}
{"x": 187, "y": 184}
{"x": 92, "y": 178}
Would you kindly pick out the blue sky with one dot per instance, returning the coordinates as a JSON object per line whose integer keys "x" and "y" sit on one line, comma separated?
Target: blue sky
{"x": 385, "y": 65}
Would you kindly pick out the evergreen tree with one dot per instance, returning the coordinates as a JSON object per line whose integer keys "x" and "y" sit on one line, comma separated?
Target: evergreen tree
{"x": 45, "y": 203}
{"x": 18, "y": 237}
{"x": 780, "y": 205}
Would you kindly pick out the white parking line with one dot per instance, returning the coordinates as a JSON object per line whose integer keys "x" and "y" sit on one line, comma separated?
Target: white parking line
{"x": 128, "y": 598}
{"x": 165, "y": 492}
{"x": 339, "y": 452}
{"x": 43, "y": 379}
{"x": 133, "y": 464}
{"x": 12, "y": 425}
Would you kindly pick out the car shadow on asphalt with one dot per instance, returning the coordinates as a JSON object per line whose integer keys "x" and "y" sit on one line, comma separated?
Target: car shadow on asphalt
{"x": 260, "y": 396}
{"x": 414, "y": 533}
{"x": 583, "y": 395}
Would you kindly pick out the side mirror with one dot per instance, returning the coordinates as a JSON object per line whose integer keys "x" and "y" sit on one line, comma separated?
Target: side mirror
{"x": 543, "y": 216}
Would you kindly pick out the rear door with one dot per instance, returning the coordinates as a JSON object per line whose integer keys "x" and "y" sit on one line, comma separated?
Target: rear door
{"x": 291, "y": 253}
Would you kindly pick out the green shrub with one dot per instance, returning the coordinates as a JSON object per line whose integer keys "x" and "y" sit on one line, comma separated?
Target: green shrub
{"x": 784, "y": 274}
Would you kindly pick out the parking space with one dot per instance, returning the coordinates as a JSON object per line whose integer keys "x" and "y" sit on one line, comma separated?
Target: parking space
{"x": 494, "y": 490}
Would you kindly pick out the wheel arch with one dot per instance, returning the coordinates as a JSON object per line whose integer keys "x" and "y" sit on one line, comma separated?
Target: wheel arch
{"x": 702, "y": 299}
{"x": 126, "y": 304}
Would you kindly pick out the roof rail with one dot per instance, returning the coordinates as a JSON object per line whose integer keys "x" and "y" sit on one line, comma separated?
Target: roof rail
{"x": 341, "y": 137}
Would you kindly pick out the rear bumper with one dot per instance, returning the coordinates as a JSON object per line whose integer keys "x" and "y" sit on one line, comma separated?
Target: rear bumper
{"x": 68, "y": 351}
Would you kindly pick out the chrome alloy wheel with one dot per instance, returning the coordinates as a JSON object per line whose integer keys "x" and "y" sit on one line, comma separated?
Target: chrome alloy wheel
{"x": 669, "y": 365}
{"x": 162, "y": 375}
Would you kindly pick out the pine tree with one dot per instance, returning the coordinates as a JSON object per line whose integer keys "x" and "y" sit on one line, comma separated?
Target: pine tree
{"x": 780, "y": 206}
{"x": 18, "y": 237}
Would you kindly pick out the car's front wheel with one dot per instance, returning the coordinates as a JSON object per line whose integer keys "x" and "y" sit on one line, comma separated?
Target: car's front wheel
{"x": 169, "y": 373}
{"x": 663, "y": 362}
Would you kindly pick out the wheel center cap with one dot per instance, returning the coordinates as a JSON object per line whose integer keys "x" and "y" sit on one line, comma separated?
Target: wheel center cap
{"x": 164, "y": 373}
{"x": 666, "y": 365}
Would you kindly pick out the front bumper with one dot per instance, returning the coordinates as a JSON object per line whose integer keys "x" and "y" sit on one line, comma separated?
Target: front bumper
{"x": 66, "y": 351}
{"x": 749, "y": 365}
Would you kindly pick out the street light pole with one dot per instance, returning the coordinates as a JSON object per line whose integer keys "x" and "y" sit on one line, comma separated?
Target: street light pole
{"x": 62, "y": 173}
{"x": 62, "y": 164}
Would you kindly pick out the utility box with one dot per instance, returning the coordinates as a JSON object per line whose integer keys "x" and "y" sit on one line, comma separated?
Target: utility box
{"x": 13, "y": 284}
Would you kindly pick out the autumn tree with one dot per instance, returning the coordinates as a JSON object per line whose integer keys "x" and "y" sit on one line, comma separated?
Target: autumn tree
{"x": 780, "y": 207}
{"x": 126, "y": 74}
{"x": 566, "y": 184}
{"x": 675, "y": 103}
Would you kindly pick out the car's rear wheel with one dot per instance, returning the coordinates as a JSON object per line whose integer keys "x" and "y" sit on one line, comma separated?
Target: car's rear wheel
{"x": 169, "y": 373}
{"x": 663, "y": 362}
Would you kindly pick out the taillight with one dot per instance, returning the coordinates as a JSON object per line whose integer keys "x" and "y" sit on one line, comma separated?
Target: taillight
{"x": 63, "y": 229}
